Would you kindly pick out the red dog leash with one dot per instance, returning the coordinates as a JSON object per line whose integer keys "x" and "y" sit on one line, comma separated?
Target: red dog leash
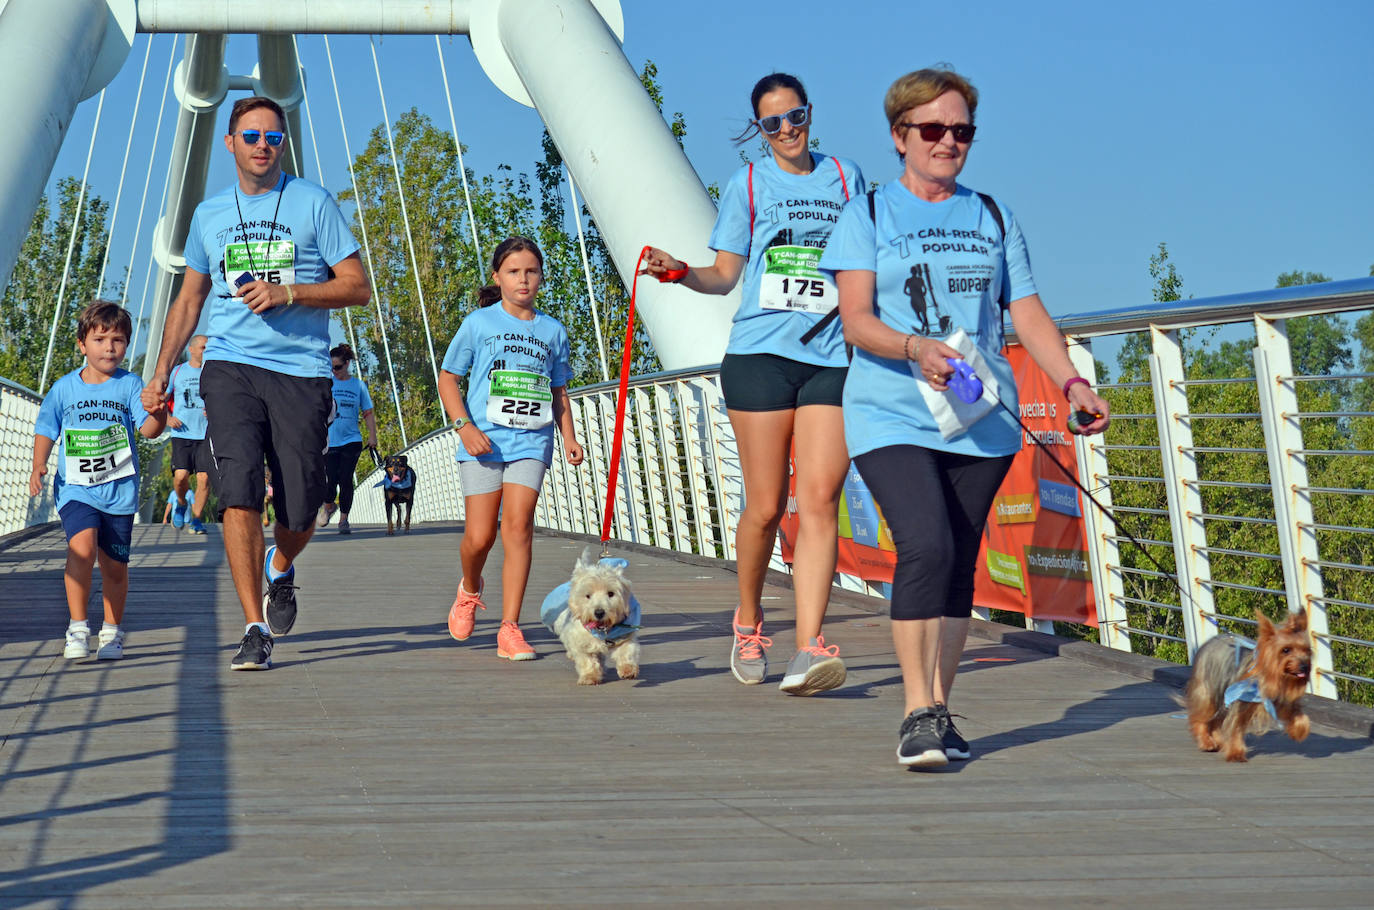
{"x": 621, "y": 397}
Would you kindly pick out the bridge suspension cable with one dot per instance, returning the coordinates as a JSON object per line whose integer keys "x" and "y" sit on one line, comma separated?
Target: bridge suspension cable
{"x": 71, "y": 245}
{"x": 405, "y": 219}
{"x": 458, "y": 146}
{"x": 587, "y": 270}
{"x": 119, "y": 187}
{"x": 143, "y": 203}
{"x": 367, "y": 247}
{"x": 319, "y": 172}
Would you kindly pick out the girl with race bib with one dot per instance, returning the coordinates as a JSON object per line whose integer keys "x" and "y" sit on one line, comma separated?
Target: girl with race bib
{"x": 779, "y": 386}
{"x": 516, "y": 360}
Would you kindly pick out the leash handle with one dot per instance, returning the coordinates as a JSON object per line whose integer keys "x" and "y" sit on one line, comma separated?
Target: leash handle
{"x": 620, "y": 400}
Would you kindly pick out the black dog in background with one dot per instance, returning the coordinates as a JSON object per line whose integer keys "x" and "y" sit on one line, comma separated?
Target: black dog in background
{"x": 398, "y": 488}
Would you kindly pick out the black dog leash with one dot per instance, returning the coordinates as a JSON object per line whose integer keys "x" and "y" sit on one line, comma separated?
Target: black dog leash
{"x": 1084, "y": 418}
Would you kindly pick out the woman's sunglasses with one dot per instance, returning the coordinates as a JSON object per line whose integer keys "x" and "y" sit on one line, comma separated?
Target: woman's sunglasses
{"x": 798, "y": 117}
{"x": 339, "y": 366}
{"x": 251, "y": 137}
{"x": 934, "y": 132}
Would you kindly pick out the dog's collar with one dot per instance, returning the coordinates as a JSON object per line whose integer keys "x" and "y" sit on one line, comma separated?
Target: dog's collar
{"x": 1248, "y": 690}
{"x": 615, "y": 634}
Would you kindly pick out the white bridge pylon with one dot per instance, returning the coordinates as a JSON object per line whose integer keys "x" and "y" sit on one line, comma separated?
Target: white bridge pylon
{"x": 561, "y": 57}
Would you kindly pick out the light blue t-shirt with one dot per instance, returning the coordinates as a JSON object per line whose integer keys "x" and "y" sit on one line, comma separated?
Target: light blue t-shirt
{"x": 187, "y": 405}
{"x": 308, "y": 235}
{"x": 783, "y": 295}
{"x": 99, "y": 420}
{"x": 350, "y": 400}
{"x": 940, "y": 266}
{"x": 515, "y": 365}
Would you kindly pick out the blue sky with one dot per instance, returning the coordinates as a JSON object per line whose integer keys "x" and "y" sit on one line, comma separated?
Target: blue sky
{"x": 1239, "y": 133}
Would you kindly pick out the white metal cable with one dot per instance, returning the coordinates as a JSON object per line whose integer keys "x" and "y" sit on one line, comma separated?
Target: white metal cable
{"x": 119, "y": 187}
{"x": 367, "y": 247}
{"x": 143, "y": 202}
{"x": 587, "y": 270}
{"x": 405, "y": 219}
{"x": 71, "y": 245}
{"x": 462, "y": 169}
{"x": 319, "y": 172}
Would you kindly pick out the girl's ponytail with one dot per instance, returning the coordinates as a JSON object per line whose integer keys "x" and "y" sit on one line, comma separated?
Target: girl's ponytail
{"x": 488, "y": 295}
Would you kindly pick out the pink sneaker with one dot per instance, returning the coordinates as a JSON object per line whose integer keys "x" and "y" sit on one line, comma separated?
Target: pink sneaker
{"x": 511, "y": 645}
{"x": 463, "y": 614}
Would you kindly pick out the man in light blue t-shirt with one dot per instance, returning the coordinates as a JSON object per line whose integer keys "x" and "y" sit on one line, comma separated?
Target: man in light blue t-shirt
{"x": 190, "y": 452}
{"x": 273, "y": 255}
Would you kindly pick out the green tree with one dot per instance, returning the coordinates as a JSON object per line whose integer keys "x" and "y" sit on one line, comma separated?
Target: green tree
{"x": 27, "y": 306}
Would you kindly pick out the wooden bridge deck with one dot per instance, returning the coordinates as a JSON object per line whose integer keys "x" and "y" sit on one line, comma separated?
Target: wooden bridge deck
{"x": 382, "y": 764}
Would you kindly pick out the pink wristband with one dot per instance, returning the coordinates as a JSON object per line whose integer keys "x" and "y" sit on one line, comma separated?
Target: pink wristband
{"x": 1073, "y": 382}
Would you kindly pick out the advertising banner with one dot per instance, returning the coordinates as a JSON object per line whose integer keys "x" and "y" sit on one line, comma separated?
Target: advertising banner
{"x": 1034, "y": 558}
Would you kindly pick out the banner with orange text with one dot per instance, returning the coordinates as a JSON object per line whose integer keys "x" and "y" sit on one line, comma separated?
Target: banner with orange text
{"x": 1034, "y": 558}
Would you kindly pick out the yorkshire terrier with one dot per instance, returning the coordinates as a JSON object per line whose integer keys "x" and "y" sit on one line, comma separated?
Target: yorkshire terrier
{"x": 1234, "y": 690}
{"x": 596, "y": 616}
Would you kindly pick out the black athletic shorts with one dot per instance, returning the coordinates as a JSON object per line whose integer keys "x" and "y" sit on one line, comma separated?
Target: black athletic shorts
{"x": 767, "y": 382}
{"x": 265, "y": 417}
{"x": 191, "y": 455}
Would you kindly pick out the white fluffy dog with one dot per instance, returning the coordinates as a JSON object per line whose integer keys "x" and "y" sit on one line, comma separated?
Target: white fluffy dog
{"x": 595, "y": 615}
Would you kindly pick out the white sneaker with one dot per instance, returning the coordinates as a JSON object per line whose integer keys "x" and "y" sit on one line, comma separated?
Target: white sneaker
{"x": 111, "y": 644}
{"x": 78, "y": 644}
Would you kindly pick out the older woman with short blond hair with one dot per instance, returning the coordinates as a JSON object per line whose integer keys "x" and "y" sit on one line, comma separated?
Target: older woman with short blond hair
{"x": 926, "y": 270}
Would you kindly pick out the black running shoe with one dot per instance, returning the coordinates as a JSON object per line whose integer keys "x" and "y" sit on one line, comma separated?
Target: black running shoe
{"x": 956, "y": 747}
{"x": 255, "y": 652}
{"x": 279, "y": 606}
{"x": 921, "y": 742}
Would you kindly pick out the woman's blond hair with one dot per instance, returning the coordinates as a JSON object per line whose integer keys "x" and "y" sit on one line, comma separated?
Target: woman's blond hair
{"x": 924, "y": 86}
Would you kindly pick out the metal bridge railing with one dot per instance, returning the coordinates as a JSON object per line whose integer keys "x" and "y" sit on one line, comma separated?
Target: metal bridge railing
{"x": 1252, "y": 490}
{"x": 18, "y": 413}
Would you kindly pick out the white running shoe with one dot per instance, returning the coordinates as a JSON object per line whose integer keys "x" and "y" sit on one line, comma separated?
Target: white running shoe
{"x": 111, "y": 644}
{"x": 78, "y": 644}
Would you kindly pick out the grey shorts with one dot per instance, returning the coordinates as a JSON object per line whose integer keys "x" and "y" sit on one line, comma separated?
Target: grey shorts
{"x": 481, "y": 477}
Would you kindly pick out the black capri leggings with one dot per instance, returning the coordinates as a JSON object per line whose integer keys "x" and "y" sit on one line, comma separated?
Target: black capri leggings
{"x": 339, "y": 465}
{"x": 936, "y": 504}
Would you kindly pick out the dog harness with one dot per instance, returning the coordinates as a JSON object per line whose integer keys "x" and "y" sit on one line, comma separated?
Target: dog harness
{"x": 556, "y": 604}
{"x": 1246, "y": 689}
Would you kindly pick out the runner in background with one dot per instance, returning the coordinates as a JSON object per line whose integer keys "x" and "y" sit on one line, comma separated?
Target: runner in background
{"x": 190, "y": 451}
{"x": 351, "y": 401}
{"x": 775, "y": 218}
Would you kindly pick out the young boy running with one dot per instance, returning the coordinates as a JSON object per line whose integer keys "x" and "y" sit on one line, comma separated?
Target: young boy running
{"x": 92, "y": 414}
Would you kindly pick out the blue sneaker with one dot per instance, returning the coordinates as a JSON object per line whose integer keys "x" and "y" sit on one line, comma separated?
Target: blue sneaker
{"x": 179, "y": 511}
{"x": 279, "y": 603}
{"x": 197, "y": 526}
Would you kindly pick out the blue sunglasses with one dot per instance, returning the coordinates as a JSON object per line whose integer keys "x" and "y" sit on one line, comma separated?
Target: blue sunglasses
{"x": 251, "y": 137}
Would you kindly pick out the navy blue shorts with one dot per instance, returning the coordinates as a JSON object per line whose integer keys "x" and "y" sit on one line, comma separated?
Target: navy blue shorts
{"x": 767, "y": 382}
{"x": 113, "y": 532}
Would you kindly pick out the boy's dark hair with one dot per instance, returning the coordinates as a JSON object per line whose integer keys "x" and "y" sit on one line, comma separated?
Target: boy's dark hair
{"x": 103, "y": 314}
{"x": 244, "y": 105}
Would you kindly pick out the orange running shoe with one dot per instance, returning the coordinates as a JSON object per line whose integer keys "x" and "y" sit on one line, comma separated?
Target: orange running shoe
{"x": 463, "y": 614}
{"x": 511, "y": 645}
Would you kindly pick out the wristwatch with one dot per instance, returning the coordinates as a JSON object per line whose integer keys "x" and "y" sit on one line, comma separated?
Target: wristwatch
{"x": 460, "y": 422}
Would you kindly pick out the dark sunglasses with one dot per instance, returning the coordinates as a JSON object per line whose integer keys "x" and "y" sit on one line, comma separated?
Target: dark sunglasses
{"x": 934, "y": 132}
{"x": 251, "y": 137}
{"x": 339, "y": 366}
{"x": 798, "y": 116}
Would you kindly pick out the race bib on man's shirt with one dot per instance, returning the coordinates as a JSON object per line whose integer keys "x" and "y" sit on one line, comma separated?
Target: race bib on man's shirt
{"x": 790, "y": 281}
{"x": 273, "y": 262}
{"x": 97, "y": 456}
{"x": 520, "y": 400}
